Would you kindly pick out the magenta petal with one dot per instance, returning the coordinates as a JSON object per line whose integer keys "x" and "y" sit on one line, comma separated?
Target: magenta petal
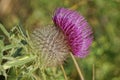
{"x": 76, "y": 30}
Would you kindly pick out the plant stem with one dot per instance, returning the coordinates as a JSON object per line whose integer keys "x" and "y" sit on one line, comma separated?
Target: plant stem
{"x": 93, "y": 77}
{"x": 36, "y": 76}
{"x": 77, "y": 67}
{"x": 64, "y": 72}
{"x": 43, "y": 74}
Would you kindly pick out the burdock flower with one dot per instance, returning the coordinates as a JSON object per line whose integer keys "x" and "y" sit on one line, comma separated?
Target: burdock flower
{"x": 75, "y": 29}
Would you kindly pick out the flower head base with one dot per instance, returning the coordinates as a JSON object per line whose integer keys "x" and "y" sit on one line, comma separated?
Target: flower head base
{"x": 51, "y": 45}
{"x": 76, "y": 30}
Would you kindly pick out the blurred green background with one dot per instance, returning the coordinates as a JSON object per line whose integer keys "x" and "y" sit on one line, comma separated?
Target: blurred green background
{"x": 102, "y": 15}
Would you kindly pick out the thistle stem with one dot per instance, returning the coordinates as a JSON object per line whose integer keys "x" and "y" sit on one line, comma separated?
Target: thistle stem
{"x": 93, "y": 77}
{"x": 36, "y": 76}
{"x": 77, "y": 67}
{"x": 43, "y": 74}
{"x": 64, "y": 72}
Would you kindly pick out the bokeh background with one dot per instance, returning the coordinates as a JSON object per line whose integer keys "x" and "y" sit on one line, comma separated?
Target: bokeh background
{"x": 102, "y": 15}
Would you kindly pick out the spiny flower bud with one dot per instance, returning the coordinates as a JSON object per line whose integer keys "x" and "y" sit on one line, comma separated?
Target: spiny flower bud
{"x": 76, "y": 30}
{"x": 51, "y": 45}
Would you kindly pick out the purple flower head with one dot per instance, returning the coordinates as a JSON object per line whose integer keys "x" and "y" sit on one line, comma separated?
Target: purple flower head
{"x": 76, "y": 30}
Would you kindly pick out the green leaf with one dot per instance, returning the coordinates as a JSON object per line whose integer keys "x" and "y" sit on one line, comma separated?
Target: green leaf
{"x": 1, "y": 52}
{"x": 4, "y": 30}
{"x": 11, "y": 46}
{"x": 18, "y": 62}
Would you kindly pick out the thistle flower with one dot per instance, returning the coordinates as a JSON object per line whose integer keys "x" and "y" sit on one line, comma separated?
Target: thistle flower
{"x": 51, "y": 45}
{"x": 76, "y": 30}
{"x": 71, "y": 33}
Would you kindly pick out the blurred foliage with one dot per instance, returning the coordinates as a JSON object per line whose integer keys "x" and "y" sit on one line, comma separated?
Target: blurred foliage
{"x": 103, "y": 16}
